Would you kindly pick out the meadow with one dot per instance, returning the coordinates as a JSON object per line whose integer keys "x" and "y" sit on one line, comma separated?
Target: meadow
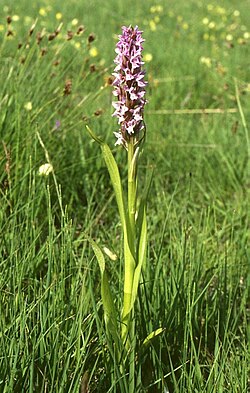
{"x": 56, "y": 62}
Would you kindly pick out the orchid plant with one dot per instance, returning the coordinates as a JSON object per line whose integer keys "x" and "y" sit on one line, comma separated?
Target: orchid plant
{"x": 129, "y": 89}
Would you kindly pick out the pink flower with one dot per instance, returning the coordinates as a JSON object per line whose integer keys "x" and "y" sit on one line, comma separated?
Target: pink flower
{"x": 129, "y": 85}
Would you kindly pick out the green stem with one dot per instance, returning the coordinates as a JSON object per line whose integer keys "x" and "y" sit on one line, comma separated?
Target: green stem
{"x": 132, "y": 185}
{"x": 129, "y": 245}
{"x": 132, "y": 193}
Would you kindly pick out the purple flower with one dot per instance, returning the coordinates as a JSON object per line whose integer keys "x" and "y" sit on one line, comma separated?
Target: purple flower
{"x": 57, "y": 125}
{"x": 129, "y": 85}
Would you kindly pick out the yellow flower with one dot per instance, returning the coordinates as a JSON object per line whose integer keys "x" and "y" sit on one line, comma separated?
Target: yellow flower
{"x": 206, "y": 36}
{"x": 246, "y": 35}
{"x": 93, "y": 51}
{"x": 185, "y": 26}
{"x": 42, "y": 12}
{"x": 211, "y": 25}
{"x": 147, "y": 57}
{"x": 210, "y": 7}
{"x": 156, "y": 8}
{"x": 157, "y": 19}
{"x": 229, "y": 37}
{"x": 220, "y": 10}
{"x": 152, "y": 25}
{"x": 15, "y": 18}
{"x": 1, "y": 27}
{"x": 205, "y": 21}
{"x": 74, "y": 22}
{"x": 77, "y": 45}
{"x": 159, "y": 8}
{"x": 58, "y": 15}
{"x": 179, "y": 18}
{"x": 206, "y": 61}
{"x": 236, "y": 13}
{"x": 45, "y": 169}
{"x": 28, "y": 106}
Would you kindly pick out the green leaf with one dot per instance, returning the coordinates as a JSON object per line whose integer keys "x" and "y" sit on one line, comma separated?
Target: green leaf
{"x": 116, "y": 182}
{"x": 143, "y": 201}
{"x": 114, "y": 176}
{"x": 110, "y": 314}
{"x": 93, "y": 136}
{"x": 142, "y": 235}
{"x": 142, "y": 254}
{"x": 129, "y": 257}
{"x": 151, "y": 336}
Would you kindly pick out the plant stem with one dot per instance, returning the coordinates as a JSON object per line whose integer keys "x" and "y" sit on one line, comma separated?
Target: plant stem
{"x": 132, "y": 185}
{"x": 129, "y": 246}
{"x": 132, "y": 193}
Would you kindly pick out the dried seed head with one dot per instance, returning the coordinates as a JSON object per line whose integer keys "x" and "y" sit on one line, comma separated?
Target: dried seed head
{"x": 70, "y": 35}
{"x": 31, "y": 30}
{"x": 92, "y": 67}
{"x": 52, "y": 36}
{"x": 9, "y": 33}
{"x": 98, "y": 112}
{"x": 9, "y": 19}
{"x": 57, "y": 31}
{"x": 56, "y": 63}
{"x": 43, "y": 51}
{"x": 67, "y": 87}
{"x": 91, "y": 38}
{"x": 110, "y": 80}
{"x": 39, "y": 37}
{"x": 80, "y": 29}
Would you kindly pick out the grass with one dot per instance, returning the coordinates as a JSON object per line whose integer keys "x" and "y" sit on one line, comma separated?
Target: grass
{"x": 196, "y": 284}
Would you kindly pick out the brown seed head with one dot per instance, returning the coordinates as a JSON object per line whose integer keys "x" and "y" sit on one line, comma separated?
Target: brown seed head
{"x": 70, "y": 35}
{"x": 91, "y": 38}
{"x": 32, "y": 28}
{"x": 52, "y": 36}
{"x": 98, "y": 112}
{"x": 80, "y": 29}
{"x": 57, "y": 31}
{"x": 39, "y": 37}
{"x": 92, "y": 67}
{"x": 67, "y": 87}
{"x": 43, "y": 51}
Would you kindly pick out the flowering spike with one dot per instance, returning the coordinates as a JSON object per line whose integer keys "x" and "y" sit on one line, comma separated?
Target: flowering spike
{"x": 129, "y": 85}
